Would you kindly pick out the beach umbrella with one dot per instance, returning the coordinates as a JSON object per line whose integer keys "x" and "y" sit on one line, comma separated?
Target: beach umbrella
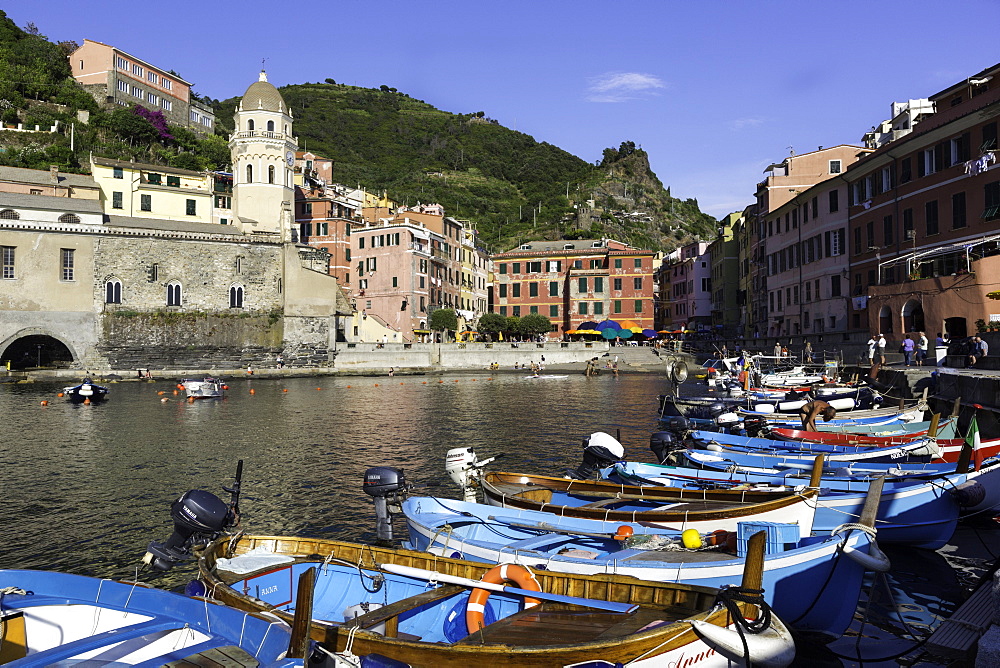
{"x": 628, "y": 324}
{"x": 572, "y": 331}
{"x": 587, "y": 331}
{"x": 649, "y": 333}
{"x": 590, "y": 324}
{"x": 605, "y": 324}
{"x": 625, "y": 333}
{"x": 634, "y": 330}
{"x": 609, "y": 333}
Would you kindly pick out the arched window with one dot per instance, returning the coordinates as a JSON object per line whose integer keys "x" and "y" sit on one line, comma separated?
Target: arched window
{"x": 249, "y": 173}
{"x": 173, "y": 293}
{"x": 69, "y": 218}
{"x": 250, "y": 125}
{"x": 113, "y": 292}
{"x": 10, "y": 214}
{"x": 270, "y": 126}
{"x": 270, "y": 174}
{"x": 236, "y": 296}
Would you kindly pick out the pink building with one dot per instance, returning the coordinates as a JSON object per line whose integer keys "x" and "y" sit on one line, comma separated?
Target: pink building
{"x": 113, "y": 77}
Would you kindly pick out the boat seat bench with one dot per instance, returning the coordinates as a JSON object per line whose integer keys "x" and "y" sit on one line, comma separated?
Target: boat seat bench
{"x": 558, "y": 624}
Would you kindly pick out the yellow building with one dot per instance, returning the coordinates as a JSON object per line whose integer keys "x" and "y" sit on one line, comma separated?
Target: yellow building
{"x": 152, "y": 191}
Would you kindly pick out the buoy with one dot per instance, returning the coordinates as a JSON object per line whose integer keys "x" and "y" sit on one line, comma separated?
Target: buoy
{"x": 176, "y": 393}
{"x": 347, "y": 386}
{"x": 225, "y": 387}
{"x": 318, "y": 389}
{"x": 86, "y": 402}
{"x": 425, "y": 382}
{"x": 473, "y": 380}
{"x": 623, "y": 532}
{"x": 376, "y": 384}
{"x": 440, "y": 381}
{"x": 253, "y": 391}
{"x": 44, "y": 403}
{"x": 160, "y": 393}
{"x": 691, "y": 539}
{"x": 285, "y": 390}
{"x": 190, "y": 400}
{"x": 400, "y": 383}
{"x": 60, "y": 394}
{"x": 179, "y": 386}
{"x": 456, "y": 380}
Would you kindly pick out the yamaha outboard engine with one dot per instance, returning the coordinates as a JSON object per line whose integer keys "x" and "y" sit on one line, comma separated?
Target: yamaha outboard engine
{"x": 664, "y": 443}
{"x": 199, "y": 517}
{"x": 388, "y": 487}
{"x": 599, "y": 450}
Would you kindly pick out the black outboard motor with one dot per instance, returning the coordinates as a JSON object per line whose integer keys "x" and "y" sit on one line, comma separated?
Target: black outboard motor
{"x": 754, "y": 426}
{"x": 599, "y": 450}
{"x": 388, "y": 487}
{"x": 199, "y": 517}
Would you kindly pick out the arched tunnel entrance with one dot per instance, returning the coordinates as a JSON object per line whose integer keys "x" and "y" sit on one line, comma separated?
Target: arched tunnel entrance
{"x": 36, "y": 351}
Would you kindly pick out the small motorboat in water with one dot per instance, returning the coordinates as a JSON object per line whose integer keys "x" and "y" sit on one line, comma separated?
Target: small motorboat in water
{"x": 87, "y": 391}
{"x": 204, "y": 388}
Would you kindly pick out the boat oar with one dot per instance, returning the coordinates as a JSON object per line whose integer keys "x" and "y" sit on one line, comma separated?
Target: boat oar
{"x": 545, "y": 526}
{"x": 964, "y": 458}
{"x": 434, "y": 576}
{"x": 817, "y": 472}
{"x": 298, "y": 646}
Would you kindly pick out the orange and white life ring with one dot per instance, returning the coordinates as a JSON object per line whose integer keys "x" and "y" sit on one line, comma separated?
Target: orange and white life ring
{"x": 519, "y": 575}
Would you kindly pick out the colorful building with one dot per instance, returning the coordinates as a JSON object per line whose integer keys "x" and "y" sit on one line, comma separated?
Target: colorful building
{"x": 924, "y": 236}
{"x": 575, "y": 281}
{"x": 115, "y": 77}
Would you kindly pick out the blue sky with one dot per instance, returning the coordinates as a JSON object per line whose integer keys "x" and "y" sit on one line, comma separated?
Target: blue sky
{"x": 713, "y": 91}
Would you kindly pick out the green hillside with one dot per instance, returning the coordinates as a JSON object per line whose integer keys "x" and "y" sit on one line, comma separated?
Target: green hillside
{"x": 511, "y": 186}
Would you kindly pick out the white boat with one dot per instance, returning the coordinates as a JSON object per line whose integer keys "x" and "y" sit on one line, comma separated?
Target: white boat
{"x": 204, "y": 388}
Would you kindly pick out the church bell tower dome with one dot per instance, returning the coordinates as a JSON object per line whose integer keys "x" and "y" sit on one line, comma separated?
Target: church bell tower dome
{"x": 263, "y": 152}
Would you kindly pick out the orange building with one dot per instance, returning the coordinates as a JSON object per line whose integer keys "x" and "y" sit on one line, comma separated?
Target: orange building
{"x": 574, "y": 281}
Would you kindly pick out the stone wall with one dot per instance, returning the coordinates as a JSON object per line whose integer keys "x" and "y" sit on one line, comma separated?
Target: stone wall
{"x": 164, "y": 340}
{"x": 206, "y": 270}
{"x": 462, "y": 355}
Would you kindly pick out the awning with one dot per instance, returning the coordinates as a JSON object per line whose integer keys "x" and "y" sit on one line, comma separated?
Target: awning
{"x": 421, "y": 331}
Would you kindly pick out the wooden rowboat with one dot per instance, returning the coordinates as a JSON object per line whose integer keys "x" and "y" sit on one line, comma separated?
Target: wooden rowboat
{"x": 662, "y": 507}
{"x": 406, "y": 617}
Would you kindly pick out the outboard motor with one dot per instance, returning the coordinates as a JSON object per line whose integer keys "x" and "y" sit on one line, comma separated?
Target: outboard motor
{"x": 388, "y": 487}
{"x": 665, "y": 443}
{"x": 599, "y": 450}
{"x": 199, "y": 517}
{"x": 754, "y": 426}
{"x": 465, "y": 469}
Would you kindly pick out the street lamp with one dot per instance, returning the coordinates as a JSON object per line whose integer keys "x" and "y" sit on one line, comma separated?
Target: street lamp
{"x": 38, "y": 357}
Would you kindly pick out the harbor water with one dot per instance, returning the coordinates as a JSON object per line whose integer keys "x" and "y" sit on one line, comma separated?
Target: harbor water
{"x": 86, "y": 488}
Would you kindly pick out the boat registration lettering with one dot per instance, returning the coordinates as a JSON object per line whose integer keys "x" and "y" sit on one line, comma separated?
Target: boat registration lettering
{"x": 268, "y": 590}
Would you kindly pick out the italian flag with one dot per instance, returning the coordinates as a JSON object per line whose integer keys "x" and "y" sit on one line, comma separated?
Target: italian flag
{"x": 972, "y": 438}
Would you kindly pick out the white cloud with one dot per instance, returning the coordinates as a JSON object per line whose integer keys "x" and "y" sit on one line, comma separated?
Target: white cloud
{"x": 623, "y": 86}
{"x": 741, "y": 123}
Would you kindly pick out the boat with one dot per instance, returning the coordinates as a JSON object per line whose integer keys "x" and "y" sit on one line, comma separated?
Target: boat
{"x": 812, "y": 582}
{"x": 667, "y": 508}
{"x": 425, "y": 610}
{"x": 204, "y": 388}
{"x": 49, "y": 618}
{"x": 916, "y": 510}
{"x": 544, "y": 376}
{"x": 918, "y": 450}
{"x": 86, "y": 392}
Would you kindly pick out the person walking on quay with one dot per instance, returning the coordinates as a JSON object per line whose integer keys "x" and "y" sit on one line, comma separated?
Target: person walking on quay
{"x": 922, "y": 345}
{"x": 808, "y": 357}
{"x": 872, "y": 345}
{"x": 881, "y": 349}
{"x": 391, "y": 372}
{"x": 280, "y": 360}
{"x": 907, "y": 348}
{"x": 777, "y": 349}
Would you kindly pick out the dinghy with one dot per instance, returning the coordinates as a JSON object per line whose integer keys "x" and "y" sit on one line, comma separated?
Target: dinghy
{"x": 86, "y": 392}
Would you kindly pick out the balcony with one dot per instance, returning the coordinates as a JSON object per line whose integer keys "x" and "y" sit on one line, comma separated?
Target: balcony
{"x": 262, "y": 134}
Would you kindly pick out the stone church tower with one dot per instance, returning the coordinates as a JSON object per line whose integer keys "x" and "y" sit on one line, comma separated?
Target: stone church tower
{"x": 263, "y": 151}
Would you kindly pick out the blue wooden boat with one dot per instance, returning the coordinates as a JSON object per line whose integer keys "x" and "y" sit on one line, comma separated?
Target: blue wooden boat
{"x": 919, "y": 450}
{"x": 398, "y": 607}
{"x": 811, "y": 582}
{"x": 913, "y": 510}
{"x": 86, "y": 392}
{"x": 49, "y": 618}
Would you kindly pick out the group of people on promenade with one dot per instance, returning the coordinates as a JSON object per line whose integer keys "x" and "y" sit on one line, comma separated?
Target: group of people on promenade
{"x": 915, "y": 347}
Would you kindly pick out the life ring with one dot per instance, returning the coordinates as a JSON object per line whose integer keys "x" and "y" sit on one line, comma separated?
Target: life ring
{"x": 515, "y": 573}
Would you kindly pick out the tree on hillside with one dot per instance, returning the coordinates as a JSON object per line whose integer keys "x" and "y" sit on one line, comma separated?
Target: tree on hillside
{"x": 444, "y": 320}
